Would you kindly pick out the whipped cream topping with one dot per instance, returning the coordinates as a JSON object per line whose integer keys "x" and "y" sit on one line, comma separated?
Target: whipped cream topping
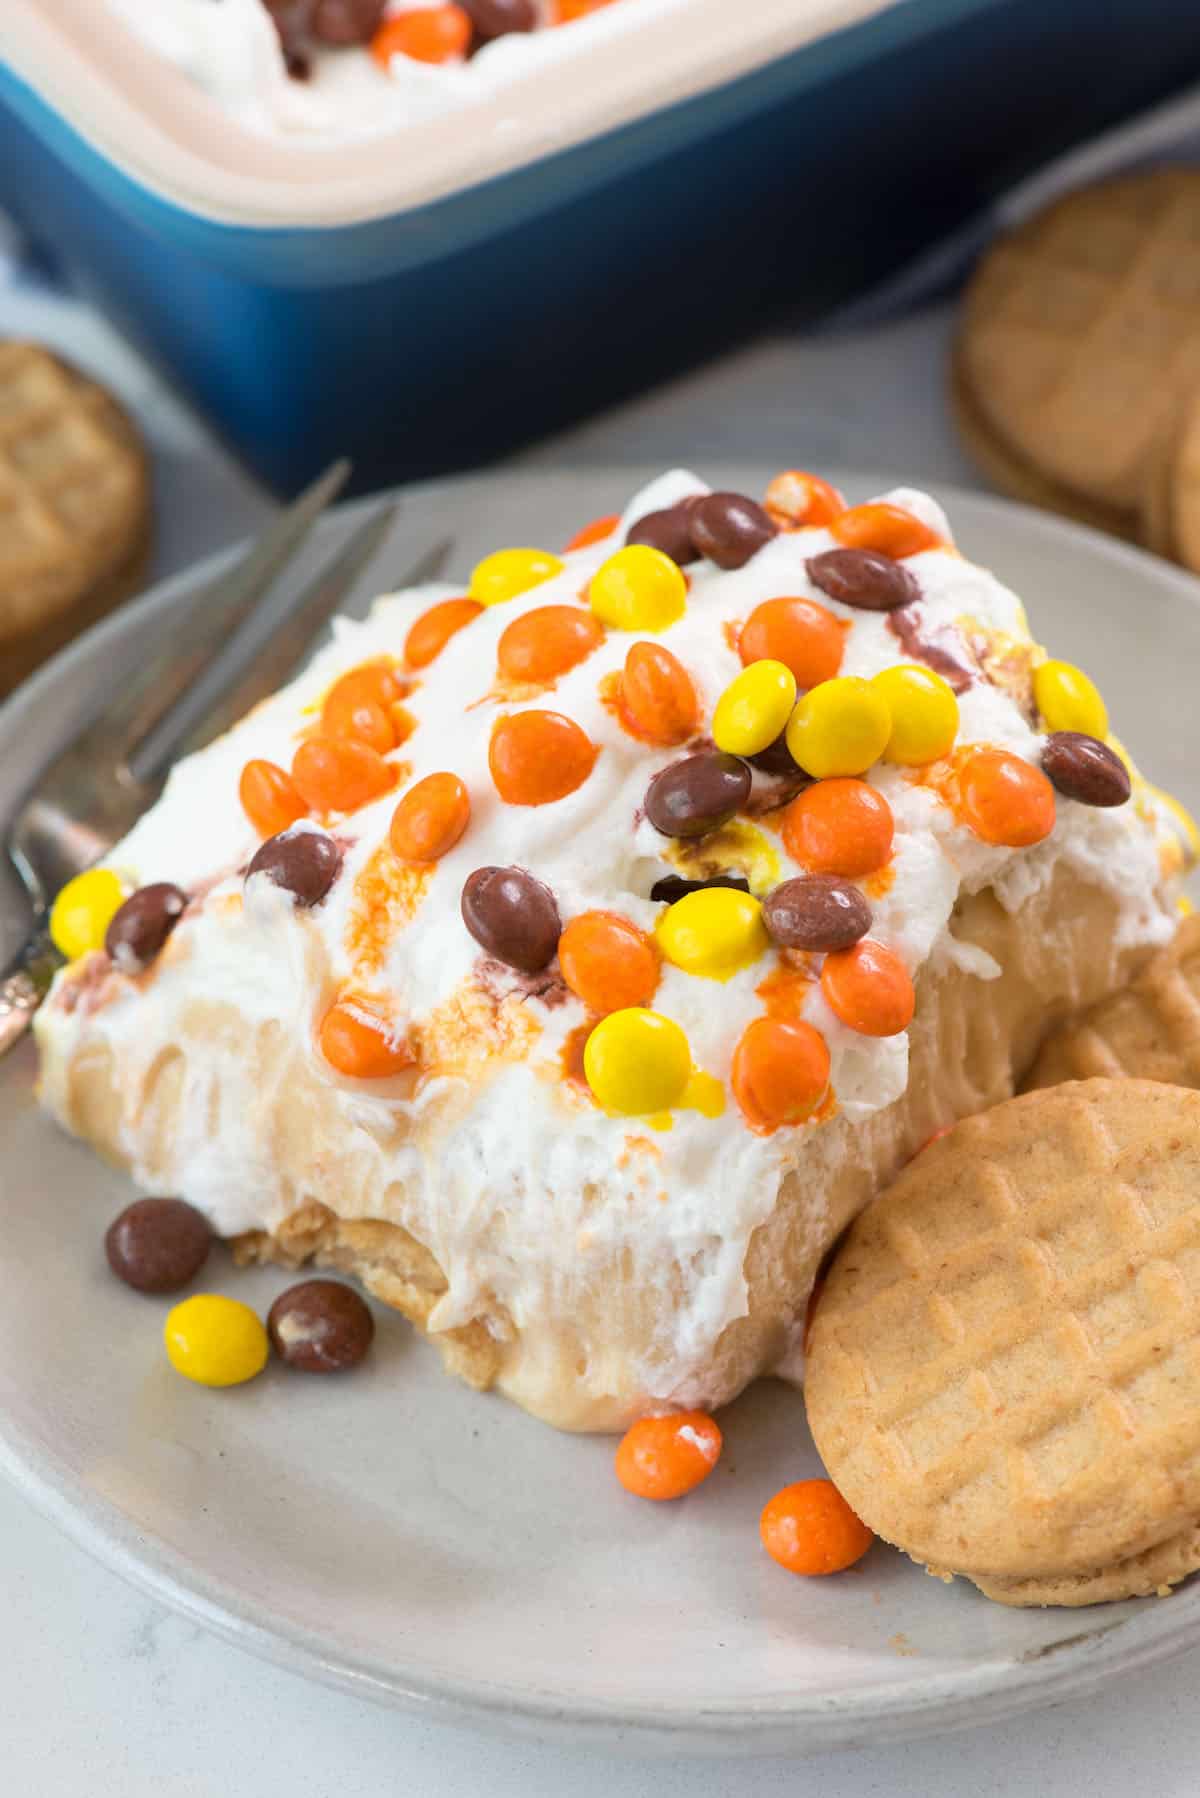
{"x": 231, "y": 49}
{"x": 512, "y": 1178}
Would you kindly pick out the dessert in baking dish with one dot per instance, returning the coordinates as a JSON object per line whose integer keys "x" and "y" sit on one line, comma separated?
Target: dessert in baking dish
{"x": 348, "y": 68}
{"x": 571, "y": 959}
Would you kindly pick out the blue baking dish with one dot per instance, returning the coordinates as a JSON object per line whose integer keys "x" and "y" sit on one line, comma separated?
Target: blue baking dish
{"x": 426, "y": 309}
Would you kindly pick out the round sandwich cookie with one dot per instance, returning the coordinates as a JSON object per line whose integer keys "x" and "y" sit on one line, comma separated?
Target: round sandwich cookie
{"x": 1156, "y": 506}
{"x": 74, "y": 505}
{"x": 1080, "y": 332}
{"x": 1013, "y": 474}
{"x": 1181, "y": 507}
{"x": 1001, "y": 1367}
{"x": 1149, "y": 1030}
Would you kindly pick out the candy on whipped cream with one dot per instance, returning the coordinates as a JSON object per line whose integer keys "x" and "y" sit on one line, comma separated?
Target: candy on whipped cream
{"x": 584, "y": 947}
{"x": 339, "y": 70}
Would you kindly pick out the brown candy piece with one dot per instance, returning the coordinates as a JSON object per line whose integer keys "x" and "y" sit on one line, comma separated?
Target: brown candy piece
{"x": 158, "y": 1245}
{"x": 320, "y": 1326}
{"x": 143, "y": 924}
{"x": 291, "y": 19}
{"x": 864, "y": 578}
{"x": 729, "y": 528}
{"x": 1084, "y": 768}
{"x": 342, "y": 22}
{"x": 697, "y": 793}
{"x": 669, "y": 530}
{"x": 817, "y": 912}
{"x": 303, "y": 861}
{"x": 673, "y": 886}
{"x": 513, "y": 916}
{"x": 496, "y": 18}
{"x": 776, "y": 758}
{"x": 296, "y": 61}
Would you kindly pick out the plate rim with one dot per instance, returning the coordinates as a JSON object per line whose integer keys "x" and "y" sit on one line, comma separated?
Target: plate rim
{"x": 907, "y": 1708}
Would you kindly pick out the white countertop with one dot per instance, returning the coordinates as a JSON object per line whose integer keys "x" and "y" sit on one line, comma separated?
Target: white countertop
{"x": 104, "y": 1694}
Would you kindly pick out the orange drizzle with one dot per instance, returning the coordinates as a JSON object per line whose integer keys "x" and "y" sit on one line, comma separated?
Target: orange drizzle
{"x": 571, "y": 1055}
{"x": 784, "y": 991}
{"x": 876, "y": 885}
{"x": 386, "y": 896}
{"x": 639, "y": 1146}
{"x": 941, "y": 778}
{"x": 474, "y": 1028}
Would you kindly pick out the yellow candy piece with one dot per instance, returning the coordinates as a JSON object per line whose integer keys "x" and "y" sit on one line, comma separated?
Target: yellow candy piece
{"x": 840, "y": 727}
{"x": 713, "y": 933}
{"x": 1068, "y": 700}
{"x": 83, "y": 911}
{"x": 637, "y": 1062}
{"x": 924, "y": 714}
{"x": 705, "y": 1094}
{"x": 507, "y": 572}
{"x": 754, "y": 708}
{"x": 215, "y": 1341}
{"x": 638, "y": 589}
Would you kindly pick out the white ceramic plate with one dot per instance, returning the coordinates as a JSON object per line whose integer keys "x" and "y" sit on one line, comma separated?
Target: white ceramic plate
{"x": 397, "y": 1534}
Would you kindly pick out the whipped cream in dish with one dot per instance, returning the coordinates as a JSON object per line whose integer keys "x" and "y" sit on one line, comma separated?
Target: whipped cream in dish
{"x": 233, "y": 50}
{"x": 493, "y": 1154}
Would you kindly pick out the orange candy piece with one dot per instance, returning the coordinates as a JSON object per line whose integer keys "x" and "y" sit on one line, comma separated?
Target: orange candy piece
{"x": 599, "y": 528}
{"x": 402, "y": 721}
{"x": 608, "y": 962}
{"x": 427, "y": 34}
{"x": 434, "y": 629}
{"x": 666, "y": 1457}
{"x": 868, "y": 987}
{"x": 889, "y": 529}
{"x": 359, "y": 705}
{"x": 566, "y": 11}
{"x": 361, "y": 1050}
{"x": 780, "y": 1072}
{"x": 796, "y": 499}
{"x": 336, "y": 774}
{"x": 362, "y": 722}
{"x": 544, "y": 643}
{"x": 430, "y": 818}
{"x": 841, "y": 826}
{"x": 657, "y": 695}
{"x": 1003, "y": 799}
{"x": 809, "y": 1528}
{"x": 269, "y": 797}
{"x": 538, "y": 757}
{"x": 804, "y": 636}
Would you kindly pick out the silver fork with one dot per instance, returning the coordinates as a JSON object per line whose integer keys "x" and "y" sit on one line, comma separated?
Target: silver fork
{"x": 206, "y": 674}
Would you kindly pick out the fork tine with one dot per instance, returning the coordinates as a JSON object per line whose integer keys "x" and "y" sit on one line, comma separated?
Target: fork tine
{"x": 214, "y": 613}
{"x": 198, "y": 718}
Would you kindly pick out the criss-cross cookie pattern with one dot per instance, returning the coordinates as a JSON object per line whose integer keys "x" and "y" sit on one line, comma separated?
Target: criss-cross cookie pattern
{"x": 71, "y": 477}
{"x": 1082, "y": 330}
{"x": 1149, "y": 1030}
{"x": 1004, "y": 1364}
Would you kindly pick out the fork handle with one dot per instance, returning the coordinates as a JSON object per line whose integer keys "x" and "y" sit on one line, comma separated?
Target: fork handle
{"x": 23, "y": 990}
